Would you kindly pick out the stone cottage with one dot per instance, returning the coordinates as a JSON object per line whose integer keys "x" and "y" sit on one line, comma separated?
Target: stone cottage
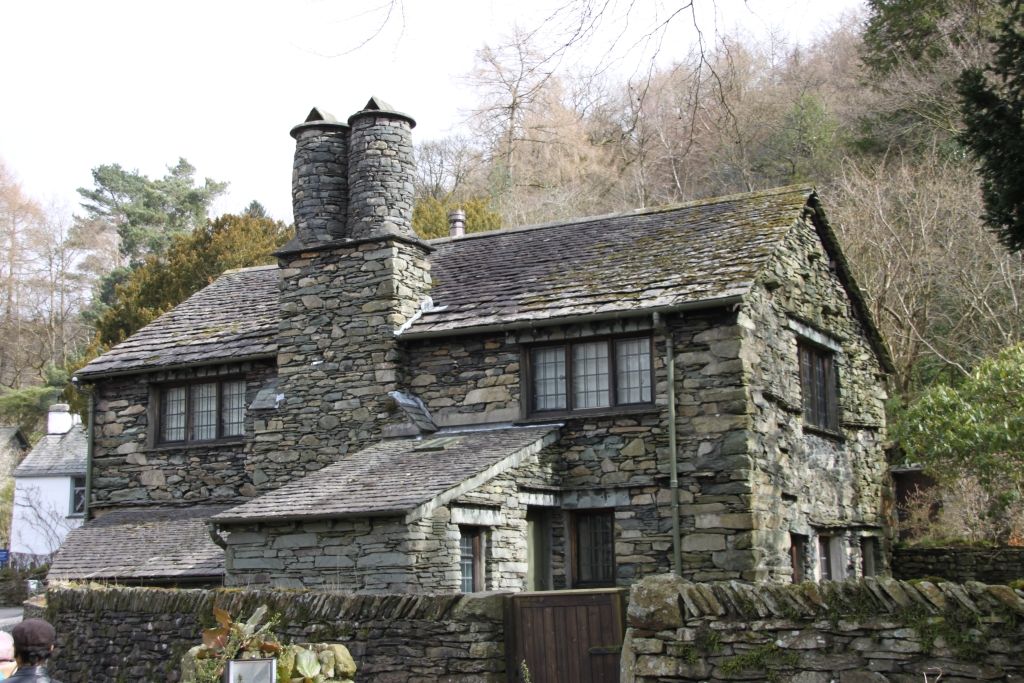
{"x": 582, "y": 403}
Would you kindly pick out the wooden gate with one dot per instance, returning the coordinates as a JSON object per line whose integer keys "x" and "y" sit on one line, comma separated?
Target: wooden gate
{"x": 565, "y": 636}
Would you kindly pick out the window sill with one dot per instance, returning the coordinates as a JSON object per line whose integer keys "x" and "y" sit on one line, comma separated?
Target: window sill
{"x": 76, "y": 515}
{"x": 192, "y": 445}
{"x": 562, "y": 416}
{"x": 824, "y": 432}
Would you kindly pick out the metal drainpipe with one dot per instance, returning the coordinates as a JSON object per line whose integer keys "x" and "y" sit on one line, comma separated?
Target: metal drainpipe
{"x": 673, "y": 469}
{"x": 88, "y": 453}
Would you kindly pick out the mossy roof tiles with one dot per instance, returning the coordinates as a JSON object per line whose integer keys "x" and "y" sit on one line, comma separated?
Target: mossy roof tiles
{"x": 233, "y": 318}
{"x": 619, "y": 264}
{"x": 622, "y": 263}
{"x": 395, "y": 477}
{"x": 151, "y": 543}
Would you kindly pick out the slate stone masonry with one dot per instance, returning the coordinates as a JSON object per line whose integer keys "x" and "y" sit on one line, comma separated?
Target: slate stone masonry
{"x": 337, "y": 352}
{"x": 115, "y": 634}
{"x": 131, "y": 467}
{"x": 381, "y": 169}
{"x": 867, "y": 631}
{"x": 988, "y": 565}
{"x": 320, "y": 180}
{"x": 804, "y": 480}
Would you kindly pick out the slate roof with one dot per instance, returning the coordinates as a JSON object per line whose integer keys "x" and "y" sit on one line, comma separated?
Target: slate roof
{"x": 695, "y": 254}
{"x": 232, "y": 319}
{"x": 56, "y": 455}
{"x": 396, "y": 477}
{"x": 151, "y": 543}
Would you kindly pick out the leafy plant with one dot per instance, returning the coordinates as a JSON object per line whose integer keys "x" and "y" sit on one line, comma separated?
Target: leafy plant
{"x": 308, "y": 666}
{"x": 973, "y": 430}
{"x": 231, "y": 639}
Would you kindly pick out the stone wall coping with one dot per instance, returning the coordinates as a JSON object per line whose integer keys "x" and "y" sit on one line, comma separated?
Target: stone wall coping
{"x": 292, "y": 605}
{"x": 652, "y": 606}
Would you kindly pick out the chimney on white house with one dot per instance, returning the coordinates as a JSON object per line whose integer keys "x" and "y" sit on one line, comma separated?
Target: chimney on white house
{"x": 456, "y": 223}
{"x": 60, "y": 419}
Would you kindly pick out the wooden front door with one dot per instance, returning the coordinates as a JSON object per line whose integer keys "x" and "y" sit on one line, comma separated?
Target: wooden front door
{"x": 565, "y": 636}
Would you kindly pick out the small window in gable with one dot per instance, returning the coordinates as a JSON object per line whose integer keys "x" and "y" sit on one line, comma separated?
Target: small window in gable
{"x": 819, "y": 387}
{"x": 591, "y": 375}
{"x": 202, "y": 412}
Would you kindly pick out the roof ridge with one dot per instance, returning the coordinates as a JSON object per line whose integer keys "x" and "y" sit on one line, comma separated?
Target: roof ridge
{"x": 707, "y": 201}
{"x": 266, "y": 266}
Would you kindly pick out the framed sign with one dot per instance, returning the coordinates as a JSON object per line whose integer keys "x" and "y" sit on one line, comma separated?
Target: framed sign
{"x": 251, "y": 671}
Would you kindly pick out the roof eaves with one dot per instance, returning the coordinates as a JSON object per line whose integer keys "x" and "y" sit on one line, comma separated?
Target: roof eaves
{"x": 144, "y": 369}
{"x": 533, "y": 323}
{"x": 35, "y": 474}
{"x": 225, "y": 518}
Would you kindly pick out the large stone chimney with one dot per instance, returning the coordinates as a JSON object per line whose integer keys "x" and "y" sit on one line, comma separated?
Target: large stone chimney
{"x": 351, "y": 278}
{"x": 320, "y": 179}
{"x": 380, "y": 172}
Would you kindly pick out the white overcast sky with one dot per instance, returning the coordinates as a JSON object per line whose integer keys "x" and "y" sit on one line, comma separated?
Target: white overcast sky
{"x": 221, "y": 82}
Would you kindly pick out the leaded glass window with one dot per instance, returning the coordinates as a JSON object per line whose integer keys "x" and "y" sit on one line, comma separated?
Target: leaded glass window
{"x": 471, "y": 559}
{"x": 633, "y": 364}
{"x": 232, "y": 408}
{"x": 173, "y": 424}
{"x": 591, "y": 374}
{"x": 548, "y": 366}
{"x": 78, "y": 496}
{"x": 203, "y": 411}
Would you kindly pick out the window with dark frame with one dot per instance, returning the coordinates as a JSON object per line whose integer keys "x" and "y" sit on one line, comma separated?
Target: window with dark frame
{"x": 594, "y": 548}
{"x": 204, "y": 411}
{"x": 591, "y": 375}
{"x": 819, "y": 387}
{"x": 825, "y": 557}
{"x": 78, "y": 495}
{"x": 471, "y": 559}
{"x": 798, "y": 556}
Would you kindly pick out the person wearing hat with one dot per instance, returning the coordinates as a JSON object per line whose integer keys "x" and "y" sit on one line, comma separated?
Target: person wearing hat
{"x": 33, "y": 644}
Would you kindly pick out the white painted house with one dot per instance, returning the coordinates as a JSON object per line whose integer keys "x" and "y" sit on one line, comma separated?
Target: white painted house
{"x": 49, "y": 489}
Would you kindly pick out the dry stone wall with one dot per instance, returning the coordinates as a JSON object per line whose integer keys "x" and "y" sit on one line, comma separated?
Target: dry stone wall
{"x": 804, "y": 480}
{"x": 868, "y": 631}
{"x": 988, "y": 565}
{"x": 131, "y": 467}
{"x": 112, "y": 635}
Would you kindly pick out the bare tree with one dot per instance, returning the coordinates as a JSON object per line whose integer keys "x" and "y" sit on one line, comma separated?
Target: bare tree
{"x": 944, "y": 291}
{"x": 39, "y": 520}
